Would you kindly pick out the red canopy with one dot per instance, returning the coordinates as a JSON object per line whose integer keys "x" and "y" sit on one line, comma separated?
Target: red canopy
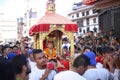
{"x": 89, "y": 2}
{"x": 44, "y": 23}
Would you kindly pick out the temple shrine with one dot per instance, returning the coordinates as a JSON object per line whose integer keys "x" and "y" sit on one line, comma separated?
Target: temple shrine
{"x": 51, "y": 27}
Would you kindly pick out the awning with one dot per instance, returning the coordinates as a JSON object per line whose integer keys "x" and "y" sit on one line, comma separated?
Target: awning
{"x": 45, "y": 28}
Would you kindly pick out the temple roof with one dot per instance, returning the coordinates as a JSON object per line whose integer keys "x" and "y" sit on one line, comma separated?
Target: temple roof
{"x": 53, "y": 18}
{"x": 43, "y": 24}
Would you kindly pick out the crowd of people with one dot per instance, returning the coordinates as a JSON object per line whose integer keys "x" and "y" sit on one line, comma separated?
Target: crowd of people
{"x": 95, "y": 58}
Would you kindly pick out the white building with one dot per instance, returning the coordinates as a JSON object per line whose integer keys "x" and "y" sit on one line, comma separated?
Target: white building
{"x": 85, "y": 17}
{"x": 8, "y": 28}
{"x": 32, "y": 14}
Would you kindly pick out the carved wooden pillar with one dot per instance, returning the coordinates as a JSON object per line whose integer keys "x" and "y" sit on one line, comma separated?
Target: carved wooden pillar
{"x": 71, "y": 49}
{"x": 35, "y": 41}
{"x": 41, "y": 41}
{"x": 60, "y": 46}
{"x": 72, "y": 44}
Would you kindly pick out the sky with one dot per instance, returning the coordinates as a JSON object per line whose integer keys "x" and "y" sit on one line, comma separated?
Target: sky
{"x": 16, "y": 8}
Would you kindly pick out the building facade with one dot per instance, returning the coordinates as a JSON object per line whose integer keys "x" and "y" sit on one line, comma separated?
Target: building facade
{"x": 109, "y": 14}
{"x": 109, "y": 17}
{"x": 85, "y": 17}
{"x": 8, "y": 28}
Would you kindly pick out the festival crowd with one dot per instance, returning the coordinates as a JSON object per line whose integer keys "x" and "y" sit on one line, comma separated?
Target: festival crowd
{"x": 96, "y": 57}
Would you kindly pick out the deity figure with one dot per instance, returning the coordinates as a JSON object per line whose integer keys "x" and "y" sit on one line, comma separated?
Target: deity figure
{"x": 50, "y": 51}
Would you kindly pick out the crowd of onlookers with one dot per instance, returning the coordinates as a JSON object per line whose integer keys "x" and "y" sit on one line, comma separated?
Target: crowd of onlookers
{"x": 106, "y": 51}
{"x": 96, "y": 57}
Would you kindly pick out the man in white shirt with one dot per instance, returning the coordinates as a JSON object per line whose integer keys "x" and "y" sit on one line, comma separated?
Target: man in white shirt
{"x": 40, "y": 72}
{"x": 95, "y": 72}
{"x": 79, "y": 67}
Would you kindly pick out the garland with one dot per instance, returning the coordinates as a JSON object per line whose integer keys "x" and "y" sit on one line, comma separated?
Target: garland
{"x": 50, "y": 53}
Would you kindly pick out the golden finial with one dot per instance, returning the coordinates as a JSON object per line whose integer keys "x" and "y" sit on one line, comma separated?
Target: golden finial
{"x": 50, "y": 6}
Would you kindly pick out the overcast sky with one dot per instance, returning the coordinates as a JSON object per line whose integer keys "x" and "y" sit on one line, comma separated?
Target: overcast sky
{"x": 16, "y": 8}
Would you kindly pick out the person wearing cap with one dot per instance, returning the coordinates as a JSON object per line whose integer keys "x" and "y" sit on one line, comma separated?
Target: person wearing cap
{"x": 65, "y": 42}
{"x": 66, "y": 51}
{"x": 93, "y": 72}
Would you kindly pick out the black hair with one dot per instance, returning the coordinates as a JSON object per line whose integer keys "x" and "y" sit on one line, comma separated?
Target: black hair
{"x": 75, "y": 46}
{"x": 15, "y": 46}
{"x": 81, "y": 60}
{"x": 87, "y": 48}
{"x": 54, "y": 60}
{"x": 99, "y": 50}
{"x": 4, "y": 47}
{"x": 105, "y": 36}
{"x": 19, "y": 61}
{"x": 65, "y": 39}
{"x": 36, "y": 51}
{"x": 11, "y": 47}
{"x": 111, "y": 30}
{"x": 91, "y": 31}
{"x": 107, "y": 49}
{"x": 17, "y": 42}
{"x": 7, "y": 71}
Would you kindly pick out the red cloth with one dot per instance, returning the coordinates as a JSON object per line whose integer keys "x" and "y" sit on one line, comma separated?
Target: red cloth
{"x": 71, "y": 27}
{"x": 45, "y": 28}
{"x": 31, "y": 31}
{"x": 39, "y": 28}
{"x": 67, "y": 54}
{"x": 18, "y": 52}
{"x": 99, "y": 59}
{"x": 66, "y": 65}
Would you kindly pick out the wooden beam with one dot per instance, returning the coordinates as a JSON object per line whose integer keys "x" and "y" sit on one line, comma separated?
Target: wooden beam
{"x": 107, "y": 4}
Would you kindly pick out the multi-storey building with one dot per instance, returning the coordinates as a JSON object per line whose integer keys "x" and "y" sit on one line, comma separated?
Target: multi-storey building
{"x": 85, "y": 17}
{"x": 30, "y": 17}
{"x": 109, "y": 14}
{"x": 8, "y": 28}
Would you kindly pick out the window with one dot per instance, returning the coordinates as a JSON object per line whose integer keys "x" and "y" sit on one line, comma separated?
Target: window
{"x": 80, "y": 30}
{"x": 95, "y": 29}
{"x": 87, "y": 12}
{"x": 80, "y": 23}
{"x": 94, "y": 20}
{"x": 77, "y": 14}
{"x": 84, "y": 31}
{"x": 88, "y": 29}
{"x": 94, "y": 11}
{"x": 72, "y": 16}
{"x": 87, "y": 21}
{"x": 83, "y": 13}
